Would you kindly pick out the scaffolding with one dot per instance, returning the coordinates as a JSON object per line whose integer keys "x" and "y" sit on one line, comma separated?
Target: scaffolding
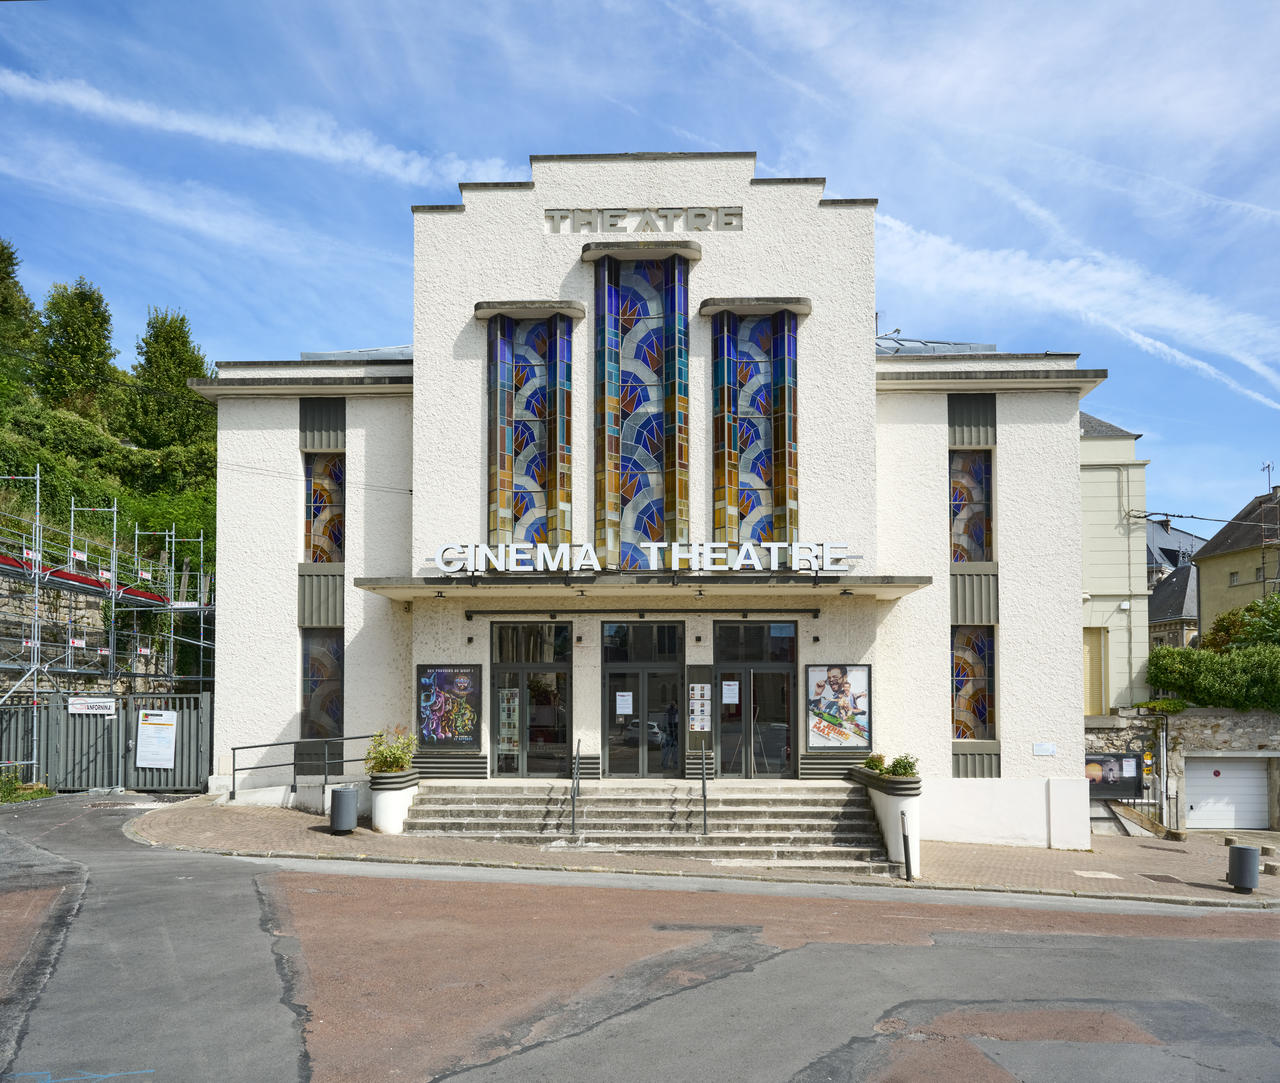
{"x": 81, "y": 615}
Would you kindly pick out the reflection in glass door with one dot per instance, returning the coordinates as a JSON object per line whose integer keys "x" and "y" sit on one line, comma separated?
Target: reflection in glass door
{"x": 644, "y": 693}
{"x": 532, "y": 699}
{"x": 754, "y": 697}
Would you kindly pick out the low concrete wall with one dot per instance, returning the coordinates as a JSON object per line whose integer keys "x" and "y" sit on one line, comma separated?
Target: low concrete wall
{"x": 1053, "y": 812}
{"x": 310, "y": 797}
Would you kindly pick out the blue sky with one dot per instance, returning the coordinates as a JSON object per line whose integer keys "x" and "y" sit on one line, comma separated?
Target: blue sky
{"x": 1092, "y": 177}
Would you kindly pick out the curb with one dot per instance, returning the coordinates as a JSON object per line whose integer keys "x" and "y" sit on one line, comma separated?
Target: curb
{"x": 711, "y": 874}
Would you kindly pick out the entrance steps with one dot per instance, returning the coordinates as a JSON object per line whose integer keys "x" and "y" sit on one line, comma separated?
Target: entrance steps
{"x": 827, "y": 827}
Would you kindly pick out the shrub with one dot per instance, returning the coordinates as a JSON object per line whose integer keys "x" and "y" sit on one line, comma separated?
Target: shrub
{"x": 1164, "y": 706}
{"x": 903, "y": 766}
{"x": 391, "y": 750}
{"x": 1245, "y": 678}
{"x": 12, "y": 789}
{"x": 874, "y": 762}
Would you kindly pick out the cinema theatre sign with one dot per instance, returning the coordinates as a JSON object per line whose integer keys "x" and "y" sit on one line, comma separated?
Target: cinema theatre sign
{"x": 810, "y": 557}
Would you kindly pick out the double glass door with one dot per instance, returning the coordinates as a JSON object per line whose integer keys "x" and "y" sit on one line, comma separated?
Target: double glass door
{"x": 644, "y": 694}
{"x": 532, "y": 699}
{"x": 754, "y": 699}
{"x": 755, "y": 714}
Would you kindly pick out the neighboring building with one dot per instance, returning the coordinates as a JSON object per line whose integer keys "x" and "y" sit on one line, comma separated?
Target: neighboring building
{"x": 1168, "y": 548}
{"x": 1173, "y": 615}
{"x": 648, "y": 489}
{"x": 1113, "y": 498}
{"x": 1241, "y": 562}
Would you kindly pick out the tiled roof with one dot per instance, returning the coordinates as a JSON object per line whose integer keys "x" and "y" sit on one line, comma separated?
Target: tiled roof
{"x": 1174, "y": 597}
{"x": 1095, "y": 426}
{"x": 1246, "y": 530}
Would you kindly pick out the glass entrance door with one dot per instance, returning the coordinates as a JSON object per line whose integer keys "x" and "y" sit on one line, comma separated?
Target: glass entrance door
{"x": 644, "y": 694}
{"x": 755, "y": 712}
{"x": 754, "y": 700}
{"x": 532, "y": 699}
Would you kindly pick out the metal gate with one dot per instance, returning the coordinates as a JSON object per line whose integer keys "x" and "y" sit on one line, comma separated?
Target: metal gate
{"x": 85, "y": 751}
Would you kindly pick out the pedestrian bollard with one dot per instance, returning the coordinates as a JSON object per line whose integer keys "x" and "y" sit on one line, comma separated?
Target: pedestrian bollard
{"x": 1242, "y": 868}
{"x": 342, "y": 810}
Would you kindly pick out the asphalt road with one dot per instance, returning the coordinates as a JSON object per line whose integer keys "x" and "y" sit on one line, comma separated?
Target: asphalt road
{"x": 123, "y": 961}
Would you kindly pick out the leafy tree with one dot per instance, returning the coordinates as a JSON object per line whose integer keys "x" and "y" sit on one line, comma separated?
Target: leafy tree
{"x": 1260, "y": 621}
{"x": 76, "y": 348}
{"x": 19, "y": 325}
{"x": 1224, "y": 631}
{"x": 165, "y": 411}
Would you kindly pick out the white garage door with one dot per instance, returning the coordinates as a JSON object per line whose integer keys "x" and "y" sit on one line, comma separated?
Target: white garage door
{"x": 1226, "y": 792}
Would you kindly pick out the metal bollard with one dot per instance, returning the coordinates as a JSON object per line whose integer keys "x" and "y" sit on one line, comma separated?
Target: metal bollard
{"x": 1242, "y": 868}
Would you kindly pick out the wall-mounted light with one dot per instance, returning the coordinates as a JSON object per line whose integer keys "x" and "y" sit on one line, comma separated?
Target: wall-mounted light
{"x": 439, "y": 594}
{"x": 817, "y": 639}
{"x": 697, "y": 639}
{"x": 699, "y": 594}
{"x": 471, "y": 639}
{"x": 578, "y": 639}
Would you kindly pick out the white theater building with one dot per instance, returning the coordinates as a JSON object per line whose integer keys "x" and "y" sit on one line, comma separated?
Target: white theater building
{"x": 644, "y": 490}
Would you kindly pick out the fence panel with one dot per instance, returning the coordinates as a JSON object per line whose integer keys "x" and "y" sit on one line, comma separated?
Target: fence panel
{"x": 193, "y": 743}
{"x": 17, "y": 733}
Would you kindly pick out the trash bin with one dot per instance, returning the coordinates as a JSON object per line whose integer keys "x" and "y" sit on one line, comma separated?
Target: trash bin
{"x": 1242, "y": 868}
{"x": 342, "y": 810}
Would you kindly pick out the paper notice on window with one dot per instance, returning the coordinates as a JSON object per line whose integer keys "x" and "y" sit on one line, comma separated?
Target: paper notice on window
{"x": 1129, "y": 767}
{"x": 622, "y": 703}
{"x": 728, "y": 691}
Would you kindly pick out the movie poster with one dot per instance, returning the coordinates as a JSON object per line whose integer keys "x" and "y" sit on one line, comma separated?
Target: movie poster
{"x": 838, "y": 706}
{"x": 448, "y": 700}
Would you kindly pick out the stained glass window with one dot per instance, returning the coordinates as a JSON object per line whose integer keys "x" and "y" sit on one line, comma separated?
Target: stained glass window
{"x": 529, "y": 449}
{"x": 970, "y": 506}
{"x": 642, "y": 395}
{"x": 754, "y": 426}
{"x": 973, "y": 652}
{"x": 321, "y": 683}
{"x": 326, "y": 506}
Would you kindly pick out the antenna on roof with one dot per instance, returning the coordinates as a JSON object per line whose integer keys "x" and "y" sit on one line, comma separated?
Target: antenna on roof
{"x": 1267, "y": 468}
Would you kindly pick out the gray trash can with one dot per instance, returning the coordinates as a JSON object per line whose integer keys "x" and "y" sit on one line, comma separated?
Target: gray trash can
{"x": 1242, "y": 868}
{"x": 342, "y": 810}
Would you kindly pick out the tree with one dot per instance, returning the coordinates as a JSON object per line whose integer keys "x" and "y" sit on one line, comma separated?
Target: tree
{"x": 19, "y": 325}
{"x": 76, "y": 351}
{"x": 165, "y": 411}
{"x": 1255, "y": 624}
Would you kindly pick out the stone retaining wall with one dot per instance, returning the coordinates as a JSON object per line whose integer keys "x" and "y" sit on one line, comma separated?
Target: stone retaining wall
{"x": 1192, "y": 732}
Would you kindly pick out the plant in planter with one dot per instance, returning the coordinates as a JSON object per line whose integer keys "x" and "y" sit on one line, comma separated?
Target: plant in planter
{"x": 903, "y": 766}
{"x": 895, "y": 788}
{"x": 392, "y": 778}
{"x": 390, "y": 751}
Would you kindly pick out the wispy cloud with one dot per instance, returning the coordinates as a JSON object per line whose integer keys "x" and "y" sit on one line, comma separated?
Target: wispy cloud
{"x": 307, "y": 134}
{"x": 63, "y": 171}
{"x": 1094, "y": 288}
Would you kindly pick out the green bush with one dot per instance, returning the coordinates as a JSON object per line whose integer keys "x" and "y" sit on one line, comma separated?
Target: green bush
{"x": 903, "y": 766}
{"x": 1246, "y": 678}
{"x": 1164, "y": 706}
{"x": 874, "y": 762}
{"x": 12, "y": 789}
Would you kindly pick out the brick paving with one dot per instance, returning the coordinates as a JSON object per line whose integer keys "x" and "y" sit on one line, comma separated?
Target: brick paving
{"x": 1191, "y": 871}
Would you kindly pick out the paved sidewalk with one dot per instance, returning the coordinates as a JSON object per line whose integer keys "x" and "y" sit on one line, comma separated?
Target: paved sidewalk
{"x": 1191, "y": 872}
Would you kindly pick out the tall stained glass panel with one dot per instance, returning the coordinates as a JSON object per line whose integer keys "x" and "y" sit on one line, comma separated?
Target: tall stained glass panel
{"x": 326, "y": 506}
{"x": 642, "y": 392}
{"x": 970, "y": 506}
{"x": 754, "y": 440}
{"x": 322, "y": 679}
{"x": 529, "y": 429}
{"x": 973, "y": 651}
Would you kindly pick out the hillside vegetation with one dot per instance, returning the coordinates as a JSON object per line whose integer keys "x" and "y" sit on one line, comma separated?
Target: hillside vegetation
{"x": 100, "y": 434}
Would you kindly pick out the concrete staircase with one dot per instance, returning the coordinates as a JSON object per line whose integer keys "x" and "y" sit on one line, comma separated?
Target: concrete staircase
{"x": 826, "y": 826}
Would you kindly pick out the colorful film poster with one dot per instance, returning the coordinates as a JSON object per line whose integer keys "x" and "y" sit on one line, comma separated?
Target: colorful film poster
{"x": 448, "y": 699}
{"x": 838, "y": 706}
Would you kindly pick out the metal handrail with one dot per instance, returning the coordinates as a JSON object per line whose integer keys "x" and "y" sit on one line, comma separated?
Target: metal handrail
{"x": 702, "y": 755}
{"x": 573, "y": 791}
{"x": 293, "y": 763}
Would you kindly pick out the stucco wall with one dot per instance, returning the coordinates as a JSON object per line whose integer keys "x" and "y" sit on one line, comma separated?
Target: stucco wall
{"x": 1039, "y": 672}
{"x": 1217, "y": 595}
{"x": 499, "y": 248}
{"x": 378, "y": 686}
{"x": 258, "y": 662}
{"x": 913, "y": 647}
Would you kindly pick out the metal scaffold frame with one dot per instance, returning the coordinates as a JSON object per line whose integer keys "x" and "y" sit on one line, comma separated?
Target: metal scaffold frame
{"x": 44, "y": 649}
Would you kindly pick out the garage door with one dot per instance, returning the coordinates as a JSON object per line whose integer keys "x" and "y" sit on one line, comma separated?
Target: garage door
{"x": 1226, "y": 792}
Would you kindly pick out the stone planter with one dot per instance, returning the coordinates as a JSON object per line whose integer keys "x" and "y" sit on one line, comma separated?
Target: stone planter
{"x": 392, "y": 795}
{"x": 891, "y": 796}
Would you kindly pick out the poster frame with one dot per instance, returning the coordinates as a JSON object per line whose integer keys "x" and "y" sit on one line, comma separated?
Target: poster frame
{"x": 473, "y": 698}
{"x": 859, "y": 679}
